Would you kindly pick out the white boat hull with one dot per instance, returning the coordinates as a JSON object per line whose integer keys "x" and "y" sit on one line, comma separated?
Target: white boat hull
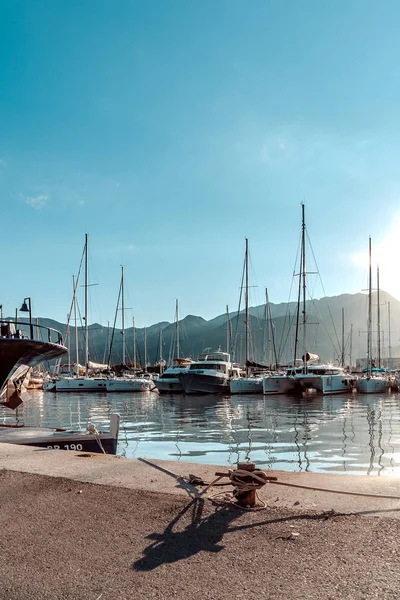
{"x": 372, "y": 385}
{"x": 130, "y": 385}
{"x": 169, "y": 386}
{"x": 81, "y": 384}
{"x": 200, "y": 383}
{"x": 272, "y": 385}
{"x": 323, "y": 384}
{"x": 246, "y": 385}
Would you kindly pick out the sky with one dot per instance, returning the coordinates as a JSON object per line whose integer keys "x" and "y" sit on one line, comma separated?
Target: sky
{"x": 170, "y": 131}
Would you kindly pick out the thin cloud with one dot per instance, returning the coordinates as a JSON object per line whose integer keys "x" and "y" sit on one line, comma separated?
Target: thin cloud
{"x": 36, "y": 202}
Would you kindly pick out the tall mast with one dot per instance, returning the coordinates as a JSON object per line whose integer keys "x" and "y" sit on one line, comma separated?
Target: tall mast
{"x": 378, "y": 317}
{"x": 134, "y": 343}
{"x": 76, "y": 328}
{"x": 390, "y": 344}
{"x": 268, "y": 316}
{"x": 161, "y": 353}
{"x": 177, "y": 328}
{"x": 342, "y": 359}
{"x": 86, "y": 306}
{"x": 303, "y": 269}
{"x": 123, "y": 316}
{"x": 145, "y": 349}
{"x": 369, "y": 328}
{"x": 246, "y": 297}
{"x": 228, "y": 330}
{"x": 351, "y": 346}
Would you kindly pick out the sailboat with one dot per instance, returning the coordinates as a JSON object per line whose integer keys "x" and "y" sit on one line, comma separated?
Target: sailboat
{"x": 373, "y": 380}
{"x": 85, "y": 383}
{"x": 250, "y": 384}
{"x": 127, "y": 383}
{"x": 323, "y": 378}
{"x": 168, "y": 382}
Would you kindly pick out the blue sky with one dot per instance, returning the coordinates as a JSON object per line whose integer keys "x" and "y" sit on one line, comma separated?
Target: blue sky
{"x": 170, "y": 130}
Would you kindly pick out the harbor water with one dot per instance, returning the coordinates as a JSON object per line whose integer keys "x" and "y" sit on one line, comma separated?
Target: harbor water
{"x": 357, "y": 434}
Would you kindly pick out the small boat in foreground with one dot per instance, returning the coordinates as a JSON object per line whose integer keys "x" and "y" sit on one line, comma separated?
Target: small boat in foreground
{"x": 89, "y": 440}
{"x": 18, "y": 353}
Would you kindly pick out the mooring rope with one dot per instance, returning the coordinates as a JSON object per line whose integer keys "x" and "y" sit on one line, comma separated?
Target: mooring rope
{"x": 92, "y": 429}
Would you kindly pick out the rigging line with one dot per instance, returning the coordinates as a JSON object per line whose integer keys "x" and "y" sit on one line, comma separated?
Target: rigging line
{"x": 234, "y": 342}
{"x": 115, "y": 322}
{"x": 318, "y": 315}
{"x": 74, "y": 295}
{"x": 281, "y": 346}
{"x": 323, "y": 289}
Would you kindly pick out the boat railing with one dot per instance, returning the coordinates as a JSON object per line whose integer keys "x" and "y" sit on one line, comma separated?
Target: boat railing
{"x": 40, "y": 333}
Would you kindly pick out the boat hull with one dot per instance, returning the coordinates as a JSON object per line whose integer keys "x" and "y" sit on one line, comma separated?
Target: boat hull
{"x": 323, "y": 384}
{"x": 15, "y": 352}
{"x": 372, "y": 385}
{"x": 129, "y": 385}
{"x": 246, "y": 385}
{"x": 60, "y": 439}
{"x": 81, "y": 384}
{"x": 272, "y": 385}
{"x": 169, "y": 386}
{"x": 197, "y": 383}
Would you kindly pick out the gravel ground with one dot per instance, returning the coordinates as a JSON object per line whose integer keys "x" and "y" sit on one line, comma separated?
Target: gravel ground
{"x": 64, "y": 539}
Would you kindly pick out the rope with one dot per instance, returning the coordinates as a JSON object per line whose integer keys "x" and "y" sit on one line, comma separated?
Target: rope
{"x": 316, "y": 489}
{"x": 270, "y": 480}
{"x": 92, "y": 429}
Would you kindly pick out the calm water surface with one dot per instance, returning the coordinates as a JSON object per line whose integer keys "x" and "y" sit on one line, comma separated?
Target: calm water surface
{"x": 340, "y": 434}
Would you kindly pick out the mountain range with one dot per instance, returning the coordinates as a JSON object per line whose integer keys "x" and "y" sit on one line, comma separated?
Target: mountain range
{"x": 326, "y": 330}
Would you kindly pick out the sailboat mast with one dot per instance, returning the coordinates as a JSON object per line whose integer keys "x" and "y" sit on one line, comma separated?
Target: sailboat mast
{"x": 134, "y": 342}
{"x": 369, "y": 328}
{"x": 161, "y": 355}
{"x": 268, "y": 317}
{"x": 228, "y": 330}
{"x": 86, "y": 305}
{"x": 351, "y": 346}
{"x": 177, "y": 327}
{"x": 76, "y": 328}
{"x": 390, "y": 344}
{"x": 145, "y": 349}
{"x": 303, "y": 269}
{"x": 246, "y": 297}
{"x": 378, "y": 317}
{"x": 342, "y": 359}
{"x": 123, "y": 316}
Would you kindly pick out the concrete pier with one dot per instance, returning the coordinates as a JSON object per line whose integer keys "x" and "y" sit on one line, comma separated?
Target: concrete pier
{"x": 94, "y": 527}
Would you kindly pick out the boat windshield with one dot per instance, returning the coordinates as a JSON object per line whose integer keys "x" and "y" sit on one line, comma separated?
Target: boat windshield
{"x": 214, "y": 366}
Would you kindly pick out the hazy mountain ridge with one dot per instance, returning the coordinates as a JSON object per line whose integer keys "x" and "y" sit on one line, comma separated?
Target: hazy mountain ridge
{"x": 324, "y": 332}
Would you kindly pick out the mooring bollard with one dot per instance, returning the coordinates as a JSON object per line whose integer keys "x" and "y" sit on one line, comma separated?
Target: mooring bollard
{"x": 247, "y": 479}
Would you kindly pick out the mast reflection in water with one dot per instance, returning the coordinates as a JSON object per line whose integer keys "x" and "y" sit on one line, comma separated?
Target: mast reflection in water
{"x": 338, "y": 434}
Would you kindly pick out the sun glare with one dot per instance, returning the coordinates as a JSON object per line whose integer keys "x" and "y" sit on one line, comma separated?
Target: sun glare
{"x": 385, "y": 254}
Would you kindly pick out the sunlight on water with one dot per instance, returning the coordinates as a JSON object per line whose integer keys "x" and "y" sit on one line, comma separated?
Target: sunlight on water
{"x": 338, "y": 434}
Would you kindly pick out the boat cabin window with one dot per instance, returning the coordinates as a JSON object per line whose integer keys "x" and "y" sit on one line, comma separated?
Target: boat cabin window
{"x": 214, "y": 366}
